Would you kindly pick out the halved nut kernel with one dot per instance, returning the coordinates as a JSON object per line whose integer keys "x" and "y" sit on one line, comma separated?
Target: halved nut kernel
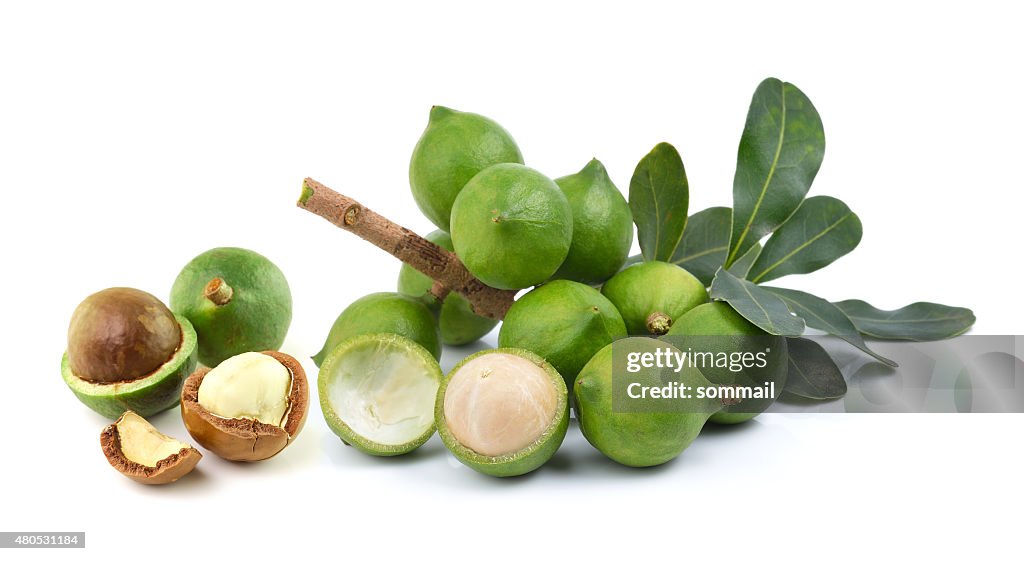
{"x": 503, "y": 412}
{"x": 143, "y": 454}
{"x": 499, "y": 404}
{"x": 249, "y": 412}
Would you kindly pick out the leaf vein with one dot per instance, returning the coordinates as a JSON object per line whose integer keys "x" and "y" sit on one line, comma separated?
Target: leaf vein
{"x": 802, "y": 247}
{"x": 768, "y": 179}
{"x": 767, "y": 317}
{"x": 693, "y": 256}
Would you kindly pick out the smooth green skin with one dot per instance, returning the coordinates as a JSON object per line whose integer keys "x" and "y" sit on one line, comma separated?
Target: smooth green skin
{"x": 718, "y": 318}
{"x": 635, "y": 439}
{"x": 257, "y": 317}
{"x": 525, "y": 460}
{"x": 653, "y": 286}
{"x": 459, "y": 325}
{"x": 383, "y": 343}
{"x": 384, "y": 312}
{"x": 511, "y": 226}
{"x": 564, "y": 322}
{"x": 455, "y": 147}
{"x": 602, "y": 226}
{"x": 146, "y": 396}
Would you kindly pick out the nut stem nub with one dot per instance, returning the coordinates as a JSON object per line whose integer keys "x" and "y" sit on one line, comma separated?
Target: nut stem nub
{"x": 732, "y": 400}
{"x": 218, "y": 291}
{"x": 658, "y": 323}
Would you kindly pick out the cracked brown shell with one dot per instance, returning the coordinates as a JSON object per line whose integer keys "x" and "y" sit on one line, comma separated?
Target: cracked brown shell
{"x": 245, "y": 440}
{"x": 167, "y": 470}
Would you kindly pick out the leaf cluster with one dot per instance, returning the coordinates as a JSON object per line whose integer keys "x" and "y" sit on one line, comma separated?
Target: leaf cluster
{"x": 774, "y": 230}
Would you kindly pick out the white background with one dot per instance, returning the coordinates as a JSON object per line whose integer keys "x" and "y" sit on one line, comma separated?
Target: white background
{"x": 133, "y": 137}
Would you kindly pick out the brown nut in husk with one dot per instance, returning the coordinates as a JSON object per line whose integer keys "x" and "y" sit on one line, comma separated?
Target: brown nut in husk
{"x": 127, "y": 351}
{"x": 141, "y": 453}
{"x": 246, "y": 439}
{"x": 121, "y": 334}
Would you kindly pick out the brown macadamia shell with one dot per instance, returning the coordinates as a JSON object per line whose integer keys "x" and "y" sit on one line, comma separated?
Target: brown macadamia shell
{"x": 167, "y": 470}
{"x": 246, "y": 440}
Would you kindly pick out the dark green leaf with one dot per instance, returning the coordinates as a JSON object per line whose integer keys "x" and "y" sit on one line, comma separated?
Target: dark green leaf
{"x": 760, "y": 307}
{"x": 812, "y": 373}
{"x": 822, "y": 230}
{"x": 920, "y": 321}
{"x": 780, "y": 152}
{"x": 741, "y": 268}
{"x": 821, "y": 314}
{"x": 659, "y": 197}
{"x": 705, "y": 243}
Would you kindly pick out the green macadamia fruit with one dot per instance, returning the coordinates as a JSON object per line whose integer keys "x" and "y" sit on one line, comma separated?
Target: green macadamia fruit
{"x": 384, "y": 312}
{"x": 564, "y": 322}
{"x": 716, "y": 328}
{"x": 602, "y": 226}
{"x": 455, "y": 147}
{"x": 638, "y": 433}
{"x": 652, "y": 295}
{"x": 238, "y": 301}
{"x": 511, "y": 226}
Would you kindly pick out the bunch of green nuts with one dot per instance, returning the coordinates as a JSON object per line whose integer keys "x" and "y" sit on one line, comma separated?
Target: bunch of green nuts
{"x": 505, "y": 411}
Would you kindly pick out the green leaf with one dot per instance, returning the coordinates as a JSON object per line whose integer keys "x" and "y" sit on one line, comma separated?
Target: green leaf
{"x": 757, "y": 305}
{"x": 705, "y": 243}
{"x": 821, "y": 314}
{"x": 659, "y": 197}
{"x": 812, "y": 372}
{"x": 822, "y": 230}
{"x": 920, "y": 321}
{"x": 780, "y": 152}
{"x": 741, "y": 268}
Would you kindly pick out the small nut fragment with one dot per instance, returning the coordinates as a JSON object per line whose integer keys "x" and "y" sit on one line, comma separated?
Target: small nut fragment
{"x": 250, "y": 411}
{"x": 143, "y": 454}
